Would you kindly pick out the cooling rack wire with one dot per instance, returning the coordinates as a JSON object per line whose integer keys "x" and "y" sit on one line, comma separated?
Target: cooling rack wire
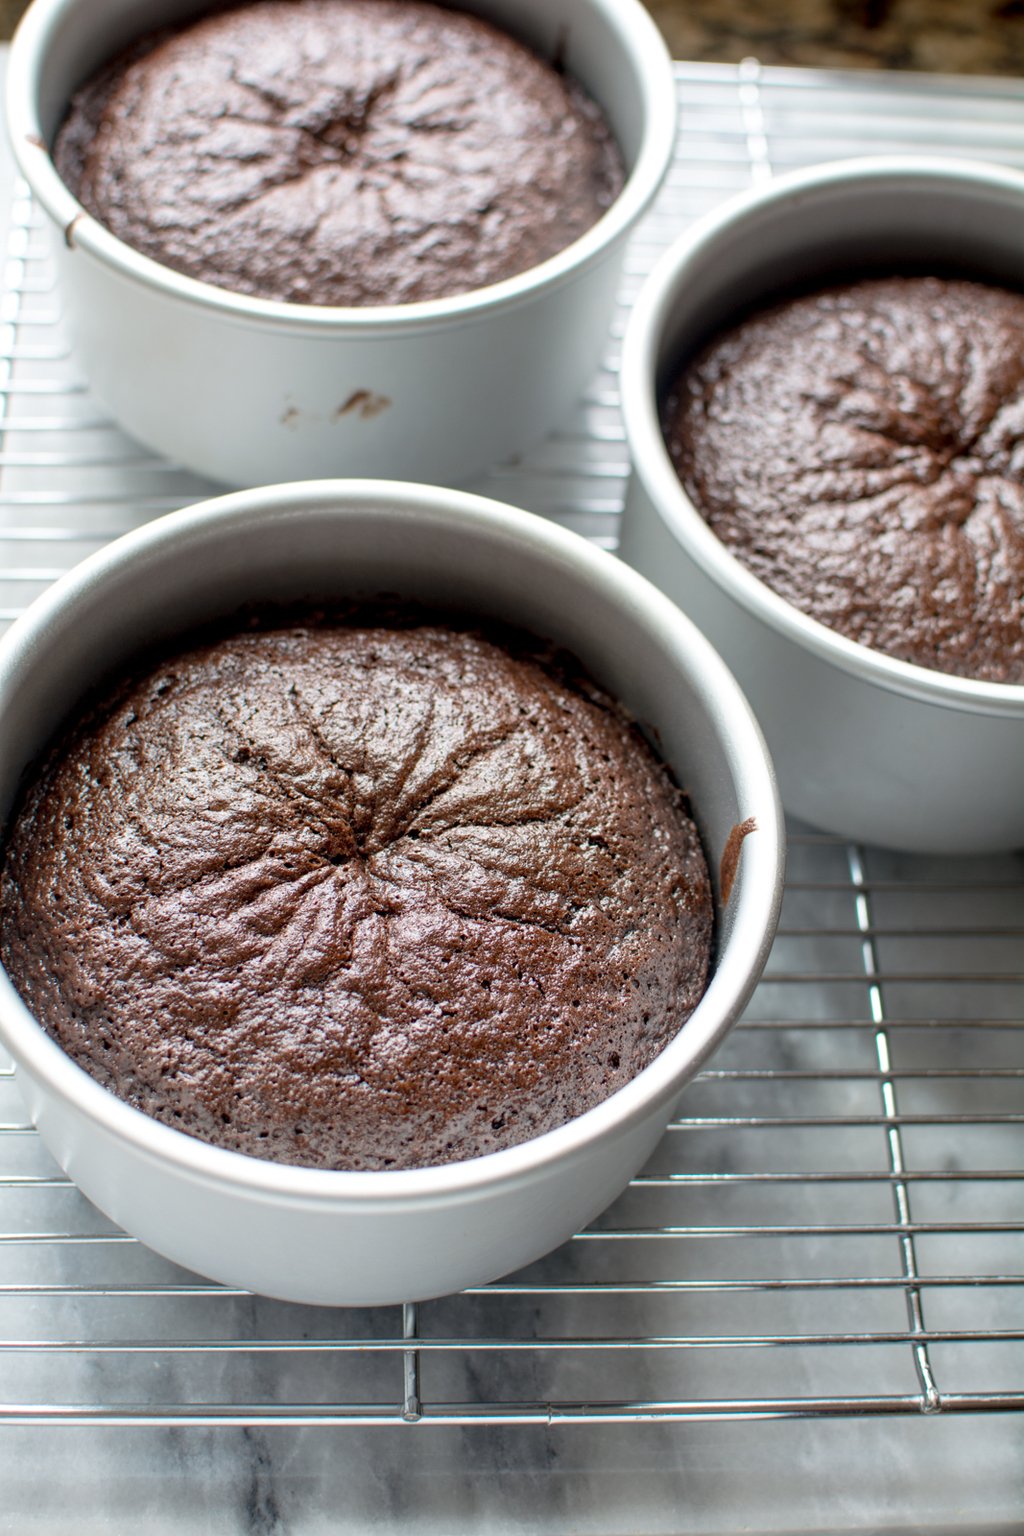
{"x": 832, "y": 1225}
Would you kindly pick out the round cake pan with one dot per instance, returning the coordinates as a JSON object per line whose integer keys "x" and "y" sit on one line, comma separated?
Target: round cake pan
{"x": 865, "y": 746}
{"x": 249, "y": 391}
{"x": 350, "y": 1238}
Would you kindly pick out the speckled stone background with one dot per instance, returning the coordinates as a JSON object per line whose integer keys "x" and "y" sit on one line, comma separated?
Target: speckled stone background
{"x": 956, "y": 36}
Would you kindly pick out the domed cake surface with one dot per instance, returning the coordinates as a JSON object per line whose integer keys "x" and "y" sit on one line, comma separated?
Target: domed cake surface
{"x": 339, "y": 152}
{"x": 381, "y": 893}
{"x": 861, "y": 449}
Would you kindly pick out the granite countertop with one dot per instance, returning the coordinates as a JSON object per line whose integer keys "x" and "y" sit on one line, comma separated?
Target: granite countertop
{"x": 949, "y": 36}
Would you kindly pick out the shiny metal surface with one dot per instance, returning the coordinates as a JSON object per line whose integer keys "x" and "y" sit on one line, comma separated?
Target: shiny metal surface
{"x": 342, "y": 1237}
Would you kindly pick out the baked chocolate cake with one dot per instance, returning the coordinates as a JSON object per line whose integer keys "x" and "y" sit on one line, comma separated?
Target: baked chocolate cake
{"x": 352, "y": 152}
{"x": 861, "y": 449}
{"x": 374, "y": 894}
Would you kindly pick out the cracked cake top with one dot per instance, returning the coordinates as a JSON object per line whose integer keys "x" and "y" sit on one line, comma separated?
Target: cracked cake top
{"x": 363, "y": 895}
{"x": 861, "y": 450}
{"x": 346, "y": 152}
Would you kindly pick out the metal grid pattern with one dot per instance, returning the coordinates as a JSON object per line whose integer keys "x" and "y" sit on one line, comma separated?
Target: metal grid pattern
{"x": 832, "y": 1225}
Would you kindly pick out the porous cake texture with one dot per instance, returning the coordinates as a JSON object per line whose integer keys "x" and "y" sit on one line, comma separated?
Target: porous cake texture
{"x": 861, "y": 449}
{"x": 339, "y": 152}
{"x": 364, "y": 895}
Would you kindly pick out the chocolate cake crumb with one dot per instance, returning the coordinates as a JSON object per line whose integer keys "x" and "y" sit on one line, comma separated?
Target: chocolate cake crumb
{"x": 357, "y": 895}
{"x": 339, "y": 152}
{"x": 861, "y": 450}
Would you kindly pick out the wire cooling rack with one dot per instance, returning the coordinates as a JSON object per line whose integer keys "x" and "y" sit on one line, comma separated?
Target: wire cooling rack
{"x": 832, "y": 1226}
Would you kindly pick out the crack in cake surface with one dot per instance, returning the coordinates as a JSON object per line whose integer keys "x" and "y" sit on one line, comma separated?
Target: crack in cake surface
{"x": 326, "y": 152}
{"x": 390, "y": 886}
{"x": 861, "y": 449}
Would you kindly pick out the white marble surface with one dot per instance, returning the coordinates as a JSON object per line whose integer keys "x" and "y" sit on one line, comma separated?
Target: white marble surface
{"x": 610, "y": 1482}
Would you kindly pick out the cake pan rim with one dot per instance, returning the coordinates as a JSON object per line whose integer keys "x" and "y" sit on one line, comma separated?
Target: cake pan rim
{"x": 757, "y": 901}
